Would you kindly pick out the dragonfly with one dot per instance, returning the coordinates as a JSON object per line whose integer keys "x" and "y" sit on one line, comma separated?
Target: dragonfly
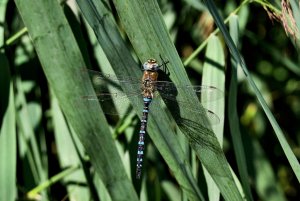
{"x": 108, "y": 90}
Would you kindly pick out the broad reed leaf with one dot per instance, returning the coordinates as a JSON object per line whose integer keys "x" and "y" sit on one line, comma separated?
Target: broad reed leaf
{"x": 68, "y": 155}
{"x": 213, "y": 75}
{"x": 61, "y": 58}
{"x": 8, "y": 141}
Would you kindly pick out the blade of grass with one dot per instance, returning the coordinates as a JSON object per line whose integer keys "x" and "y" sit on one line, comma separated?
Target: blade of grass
{"x": 213, "y": 75}
{"x": 233, "y": 115}
{"x": 266, "y": 183}
{"x": 171, "y": 190}
{"x": 60, "y": 57}
{"x": 196, "y": 4}
{"x": 3, "y": 7}
{"x": 240, "y": 61}
{"x": 29, "y": 149}
{"x": 67, "y": 154}
{"x": 8, "y": 141}
{"x": 34, "y": 192}
{"x": 16, "y": 36}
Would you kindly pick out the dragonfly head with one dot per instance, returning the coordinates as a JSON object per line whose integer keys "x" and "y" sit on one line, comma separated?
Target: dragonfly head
{"x": 151, "y": 65}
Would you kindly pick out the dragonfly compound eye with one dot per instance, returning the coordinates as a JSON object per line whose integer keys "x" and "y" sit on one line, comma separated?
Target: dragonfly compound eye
{"x": 152, "y": 61}
{"x": 151, "y": 64}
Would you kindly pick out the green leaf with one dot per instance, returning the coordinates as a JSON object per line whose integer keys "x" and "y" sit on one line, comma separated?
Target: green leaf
{"x": 233, "y": 115}
{"x": 67, "y": 154}
{"x": 265, "y": 179}
{"x": 61, "y": 58}
{"x": 32, "y": 194}
{"x": 28, "y": 145}
{"x": 8, "y": 141}
{"x": 213, "y": 75}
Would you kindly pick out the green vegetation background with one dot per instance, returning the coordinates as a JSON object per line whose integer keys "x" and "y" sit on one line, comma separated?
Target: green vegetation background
{"x": 55, "y": 146}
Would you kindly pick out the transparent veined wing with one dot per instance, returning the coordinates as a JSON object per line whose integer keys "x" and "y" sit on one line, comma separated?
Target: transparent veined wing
{"x": 115, "y": 101}
{"x": 169, "y": 93}
{"x": 96, "y": 75}
{"x": 169, "y": 90}
{"x": 110, "y": 94}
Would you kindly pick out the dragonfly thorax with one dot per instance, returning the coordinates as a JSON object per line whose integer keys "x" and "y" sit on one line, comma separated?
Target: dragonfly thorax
{"x": 148, "y": 83}
{"x": 151, "y": 65}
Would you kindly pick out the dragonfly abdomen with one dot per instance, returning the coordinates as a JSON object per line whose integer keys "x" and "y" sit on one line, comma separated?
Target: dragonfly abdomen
{"x": 142, "y": 133}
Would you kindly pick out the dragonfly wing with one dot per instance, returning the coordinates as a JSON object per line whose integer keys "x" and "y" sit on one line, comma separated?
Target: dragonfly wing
{"x": 114, "y": 103}
{"x": 183, "y": 106}
{"x": 198, "y": 135}
{"x": 186, "y": 109}
{"x": 96, "y": 75}
{"x": 169, "y": 90}
{"x": 109, "y": 92}
{"x": 206, "y": 93}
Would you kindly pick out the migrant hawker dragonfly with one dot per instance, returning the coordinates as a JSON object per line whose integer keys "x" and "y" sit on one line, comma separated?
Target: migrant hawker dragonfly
{"x": 108, "y": 89}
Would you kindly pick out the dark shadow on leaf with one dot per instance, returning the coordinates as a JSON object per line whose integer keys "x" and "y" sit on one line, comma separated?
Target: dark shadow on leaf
{"x": 199, "y": 135}
{"x": 214, "y": 63}
{"x": 4, "y": 86}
